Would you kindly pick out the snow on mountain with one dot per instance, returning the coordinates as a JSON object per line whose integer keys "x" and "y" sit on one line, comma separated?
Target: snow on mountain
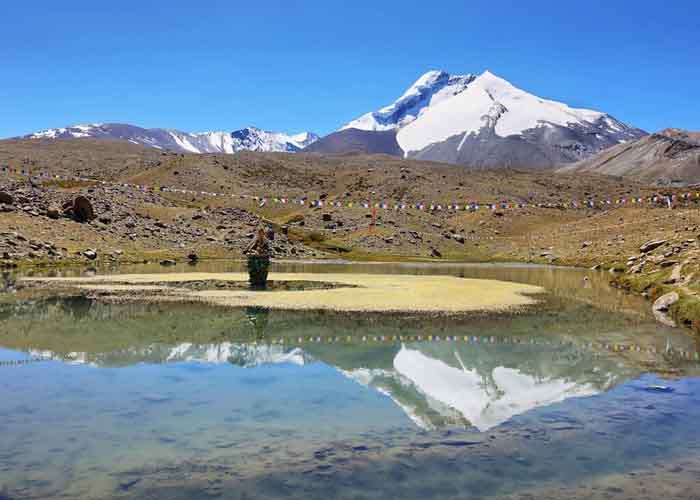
{"x": 247, "y": 139}
{"x": 254, "y": 139}
{"x": 484, "y": 121}
{"x": 247, "y": 356}
{"x": 484, "y": 403}
{"x": 438, "y": 386}
{"x": 492, "y": 102}
{"x": 429, "y": 90}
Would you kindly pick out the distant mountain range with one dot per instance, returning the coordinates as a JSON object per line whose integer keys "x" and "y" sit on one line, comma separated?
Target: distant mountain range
{"x": 669, "y": 158}
{"x": 247, "y": 139}
{"x": 480, "y": 121}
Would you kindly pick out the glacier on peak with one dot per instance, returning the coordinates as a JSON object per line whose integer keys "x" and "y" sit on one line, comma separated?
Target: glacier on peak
{"x": 431, "y": 88}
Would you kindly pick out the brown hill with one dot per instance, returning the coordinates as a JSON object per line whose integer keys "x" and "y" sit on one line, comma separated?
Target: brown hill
{"x": 668, "y": 158}
{"x": 354, "y": 141}
{"x": 357, "y": 177}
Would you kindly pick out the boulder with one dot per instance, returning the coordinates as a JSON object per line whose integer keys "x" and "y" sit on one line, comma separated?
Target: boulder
{"x": 53, "y": 212}
{"x": 167, "y": 262}
{"x": 435, "y": 253}
{"x": 327, "y": 217}
{"x": 6, "y": 198}
{"x": 661, "y": 307}
{"x": 82, "y": 209}
{"x": 664, "y": 302}
{"x": 651, "y": 245}
{"x": 90, "y": 254}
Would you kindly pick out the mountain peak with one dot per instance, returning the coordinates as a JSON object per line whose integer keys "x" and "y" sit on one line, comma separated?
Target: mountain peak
{"x": 484, "y": 121}
{"x": 429, "y": 89}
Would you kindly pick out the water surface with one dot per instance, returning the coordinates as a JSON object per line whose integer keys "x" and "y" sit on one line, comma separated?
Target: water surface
{"x": 584, "y": 397}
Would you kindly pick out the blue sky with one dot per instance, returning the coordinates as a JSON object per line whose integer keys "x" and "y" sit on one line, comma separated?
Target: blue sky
{"x": 312, "y": 65}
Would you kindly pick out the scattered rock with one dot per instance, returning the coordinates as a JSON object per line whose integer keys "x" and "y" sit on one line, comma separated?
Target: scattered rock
{"x": 6, "y": 198}
{"x": 651, "y": 245}
{"x": 90, "y": 253}
{"x": 53, "y": 212}
{"x": 326, "y": 217}
{"x": 636, "y": 269}
{"x": 435, "y": 253}
{"x": 616, "y": 268}
{"x": 675, "y": 276}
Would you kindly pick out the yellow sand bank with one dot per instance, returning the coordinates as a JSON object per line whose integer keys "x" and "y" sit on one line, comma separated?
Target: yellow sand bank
{"x": 372, "y": 292}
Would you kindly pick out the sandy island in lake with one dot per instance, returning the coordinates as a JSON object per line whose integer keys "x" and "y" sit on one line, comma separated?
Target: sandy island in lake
{"x": 354, "y": 292}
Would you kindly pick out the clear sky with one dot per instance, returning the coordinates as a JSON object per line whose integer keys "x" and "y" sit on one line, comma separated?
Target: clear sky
{"x": 314, "y": 65}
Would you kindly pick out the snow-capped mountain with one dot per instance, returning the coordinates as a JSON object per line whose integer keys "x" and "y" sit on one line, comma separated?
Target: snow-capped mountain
{"x": 429, "y": 90}
{"x": 485, "y": 121}
{"x": 247, "y": 139}
{"x": 480, "y": 121}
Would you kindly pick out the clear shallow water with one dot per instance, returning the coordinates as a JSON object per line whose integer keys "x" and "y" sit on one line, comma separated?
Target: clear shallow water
{"x": 184, "y": 401}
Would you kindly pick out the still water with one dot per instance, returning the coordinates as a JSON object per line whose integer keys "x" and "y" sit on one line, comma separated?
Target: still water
{"x": 584, "y": 396}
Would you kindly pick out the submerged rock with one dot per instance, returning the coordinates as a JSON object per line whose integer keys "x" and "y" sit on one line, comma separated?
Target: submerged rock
{"x": 664, "y": 302}
{"x": 662, "y": 305}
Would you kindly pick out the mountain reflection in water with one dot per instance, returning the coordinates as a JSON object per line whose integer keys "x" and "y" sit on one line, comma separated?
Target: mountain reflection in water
{"x": 168, "y": 401}
{"x": 458, "y": 379}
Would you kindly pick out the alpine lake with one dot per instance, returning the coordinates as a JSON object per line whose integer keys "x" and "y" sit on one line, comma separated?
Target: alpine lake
{"x": 582, "y": 395}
